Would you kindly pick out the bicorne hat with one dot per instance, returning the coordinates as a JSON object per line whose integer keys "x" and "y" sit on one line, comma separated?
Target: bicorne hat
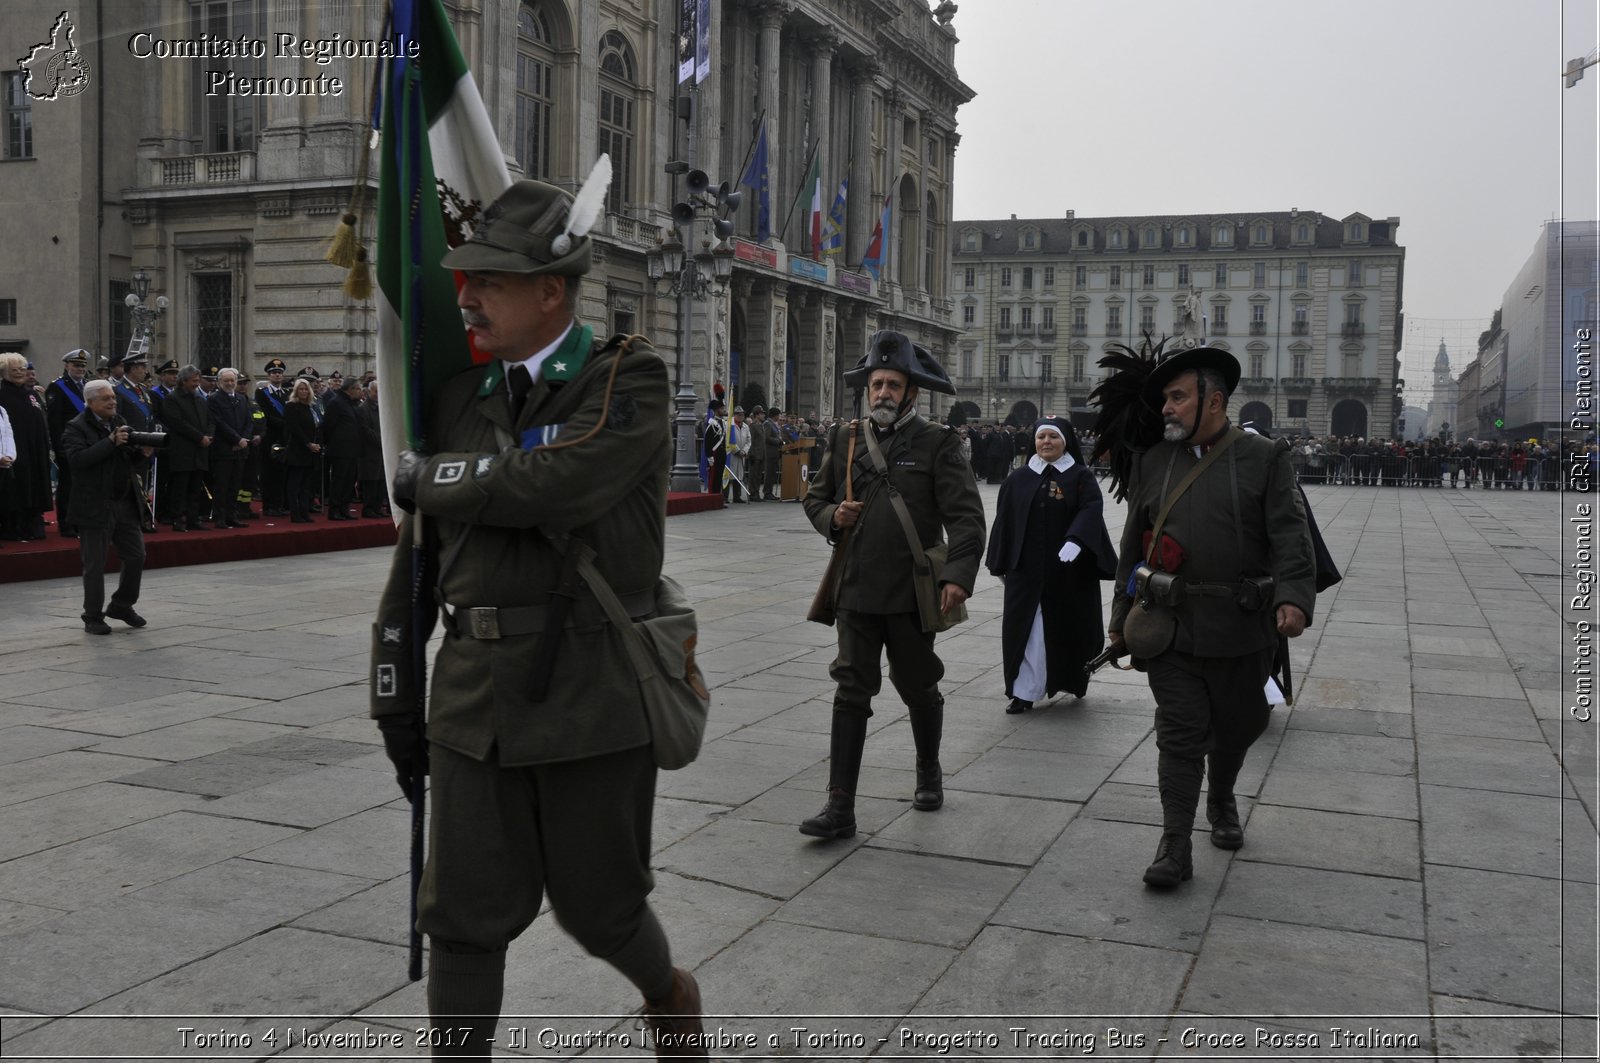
{"x": 894, "y": 350}
{"x": 1194, "y": 358}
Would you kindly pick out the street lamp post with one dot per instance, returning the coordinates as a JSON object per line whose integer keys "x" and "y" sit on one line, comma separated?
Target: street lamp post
{"x": 692, "y": 276}
{"x": 144, "y": 316}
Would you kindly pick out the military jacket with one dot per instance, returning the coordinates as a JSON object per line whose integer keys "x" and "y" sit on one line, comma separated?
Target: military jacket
{"x": 1266, "y": 535}
{"x": 497, "y": 520}
{"x": 926, "y": 466}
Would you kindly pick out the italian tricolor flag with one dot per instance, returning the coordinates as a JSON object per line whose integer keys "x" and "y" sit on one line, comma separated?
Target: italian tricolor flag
{"x": 440, "y": 164}
{"x": 814, "y": 211}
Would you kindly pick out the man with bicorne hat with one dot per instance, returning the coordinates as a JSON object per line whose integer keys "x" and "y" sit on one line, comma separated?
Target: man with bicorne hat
{"x": 898, "y": 457}
{"x": 542, "y": 775}
{"x": 1229, "y": 571}
{"x": 63, "y": 400}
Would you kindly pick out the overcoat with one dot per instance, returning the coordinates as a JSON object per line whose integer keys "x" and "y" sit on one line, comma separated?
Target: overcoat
{"x": 27, "y": 489}
{"x": 499, "y": 520}
{"x": 188, "y": 419}
{"x": 1035, "y": 516}
{"x": 102, "y": 472}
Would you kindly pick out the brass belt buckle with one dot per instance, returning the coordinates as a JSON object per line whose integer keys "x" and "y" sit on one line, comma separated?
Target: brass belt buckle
{"x": 483, "y": 622}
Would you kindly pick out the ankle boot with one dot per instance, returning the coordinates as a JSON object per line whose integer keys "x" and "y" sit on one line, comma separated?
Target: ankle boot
{"x": 836, "y": 820}
{"x": 927, "y": 728}
{"x": 674, "y": 1021}
{"x": 1222, "y": 809}
{"x": 838, "y": 817}
{"x": 1174, "y": 862}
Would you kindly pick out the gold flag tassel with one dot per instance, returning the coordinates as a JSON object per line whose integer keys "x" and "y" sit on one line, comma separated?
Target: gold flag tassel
{"x": 344, "y": 250}
{"x": 358, "y": 282}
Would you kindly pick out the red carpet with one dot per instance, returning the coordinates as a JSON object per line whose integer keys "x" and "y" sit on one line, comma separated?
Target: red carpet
{"x": 54, "y": 557}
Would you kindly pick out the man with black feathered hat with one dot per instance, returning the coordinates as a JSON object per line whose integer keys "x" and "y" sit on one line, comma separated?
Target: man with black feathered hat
{"x": 896, "y": 454}
{"x": 1229, "y": 570}
{"x": 538, "y": 745}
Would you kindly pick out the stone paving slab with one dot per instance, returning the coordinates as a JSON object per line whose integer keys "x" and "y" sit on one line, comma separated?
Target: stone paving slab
{"x": 1402, "y": 808}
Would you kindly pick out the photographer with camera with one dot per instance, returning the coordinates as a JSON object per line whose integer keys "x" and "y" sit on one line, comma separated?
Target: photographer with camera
{"x": 103, "y": 453}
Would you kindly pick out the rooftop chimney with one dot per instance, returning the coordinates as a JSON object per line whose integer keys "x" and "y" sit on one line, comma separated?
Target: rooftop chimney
{"x": 1071, "y": 214}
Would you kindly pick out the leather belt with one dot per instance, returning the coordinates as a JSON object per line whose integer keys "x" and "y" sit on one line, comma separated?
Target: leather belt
{"x": 511, "y": 621}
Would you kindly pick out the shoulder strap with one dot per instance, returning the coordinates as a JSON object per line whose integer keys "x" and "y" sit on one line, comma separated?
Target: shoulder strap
{"x": 919, "y": 558}
{"x": 1183, "y": 485}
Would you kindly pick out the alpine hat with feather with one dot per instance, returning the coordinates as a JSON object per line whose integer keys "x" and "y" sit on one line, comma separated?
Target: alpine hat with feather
{"x": 894, "y": 350}
{"x": 534, "y": 227}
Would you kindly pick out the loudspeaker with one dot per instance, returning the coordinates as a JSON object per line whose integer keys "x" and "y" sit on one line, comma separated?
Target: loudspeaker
{"x": 698, "y": 182}
{"x": 682, "y": 213}
{"x": 723, "y": 227}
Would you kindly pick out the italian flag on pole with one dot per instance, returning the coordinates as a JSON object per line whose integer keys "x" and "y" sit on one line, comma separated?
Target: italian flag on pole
{"x": 814, "y": 211}
{"x": 440, "y": 164}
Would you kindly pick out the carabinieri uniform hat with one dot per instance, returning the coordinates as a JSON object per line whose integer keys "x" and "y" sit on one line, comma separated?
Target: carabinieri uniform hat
{"x": 536, "y": 228}
{"x": 1194, "y": 358}
{"x": 894, "y": 350}
{"x": 168, "y": 366}
{"x": 276, "y": 365}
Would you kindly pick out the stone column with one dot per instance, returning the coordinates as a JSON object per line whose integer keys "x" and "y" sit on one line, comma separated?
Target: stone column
{"x": 770, "y": 15}
{"x": 823, "y": 43}
{"x": 860, "y": 207}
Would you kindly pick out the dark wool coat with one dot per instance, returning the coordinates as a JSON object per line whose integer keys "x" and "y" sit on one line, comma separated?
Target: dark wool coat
{"x": 1032, "y": 522}
{"x": 27, "y": 489}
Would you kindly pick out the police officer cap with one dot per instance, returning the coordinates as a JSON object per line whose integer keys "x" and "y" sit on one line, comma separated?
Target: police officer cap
{"x": 894, "y": 350}
{"x": 1194, "y": 358}
{"x": 77, "y": 357}
{"x": 114, "y": 361}
{"x": 310, "y": 373}
{"x": 211, "y": 372}
{"x": 168, "y": 366}
{"x": 277, "y": 365}
{"x": 525, "y": 231}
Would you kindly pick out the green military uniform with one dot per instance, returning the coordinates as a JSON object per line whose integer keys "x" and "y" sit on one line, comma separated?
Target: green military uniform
{"x": 543, "y": 780}
{"x": 876, "y": 602}
{"x": 1241, "y": 519}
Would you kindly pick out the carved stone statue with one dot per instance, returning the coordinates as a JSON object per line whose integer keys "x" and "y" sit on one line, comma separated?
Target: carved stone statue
{"x": 1191, "y": 330}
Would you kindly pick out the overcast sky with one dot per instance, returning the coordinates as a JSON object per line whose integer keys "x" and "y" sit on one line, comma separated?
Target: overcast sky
{"x": 1448, "y": 114}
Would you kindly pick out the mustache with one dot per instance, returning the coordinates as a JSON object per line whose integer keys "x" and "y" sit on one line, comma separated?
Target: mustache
{"x": 472, "y": 320}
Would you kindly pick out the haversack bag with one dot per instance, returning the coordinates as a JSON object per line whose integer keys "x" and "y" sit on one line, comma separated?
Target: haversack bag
{"x": 1149, "y": 628}
{"x": 661, "y": 648}
{"x": 927, "y": 584}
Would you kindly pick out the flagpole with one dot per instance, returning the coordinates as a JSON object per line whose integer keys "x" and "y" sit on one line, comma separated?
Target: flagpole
{"x": 783, "y": 233}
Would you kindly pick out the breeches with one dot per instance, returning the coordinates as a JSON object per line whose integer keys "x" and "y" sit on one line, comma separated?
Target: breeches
{"x": 914, "y": 669}
{"x": 1207, "y": 703}
{"x": 501, "y": 838}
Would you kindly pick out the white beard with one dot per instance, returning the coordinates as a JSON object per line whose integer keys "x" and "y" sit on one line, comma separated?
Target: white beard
{"x": 1174, "y": 433}
{"x": 884, "y": 416}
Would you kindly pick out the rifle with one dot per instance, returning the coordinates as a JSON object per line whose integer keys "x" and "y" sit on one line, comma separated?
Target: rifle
{"x": 419, "y": 769}
{"x": 1106, "y": 656}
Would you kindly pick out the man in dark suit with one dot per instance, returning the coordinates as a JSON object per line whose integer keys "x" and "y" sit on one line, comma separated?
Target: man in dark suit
{"x": 190, "y": 430}
{"x": 235, "y": 431}
{"x": 136, "y": 407}
{"x": 63, "y": 400}
{"x": 341, "y": 443}
{"x": 105, "y": 506}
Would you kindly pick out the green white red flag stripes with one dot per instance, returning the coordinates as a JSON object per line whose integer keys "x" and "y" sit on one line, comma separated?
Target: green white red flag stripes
{"x": 440, "y": 165}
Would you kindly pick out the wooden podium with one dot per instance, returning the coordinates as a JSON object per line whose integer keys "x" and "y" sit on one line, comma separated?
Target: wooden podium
{"x": 791, "y": 486}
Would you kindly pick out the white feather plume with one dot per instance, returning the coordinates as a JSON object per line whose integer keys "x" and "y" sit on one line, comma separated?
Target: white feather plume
{"x": 586, "y": 205}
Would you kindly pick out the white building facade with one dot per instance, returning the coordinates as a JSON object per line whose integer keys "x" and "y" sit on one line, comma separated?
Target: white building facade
{"x": 1309, "y": 304}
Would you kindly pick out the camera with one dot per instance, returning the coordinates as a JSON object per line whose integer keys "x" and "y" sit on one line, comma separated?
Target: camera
{"x": 147, "y": 439}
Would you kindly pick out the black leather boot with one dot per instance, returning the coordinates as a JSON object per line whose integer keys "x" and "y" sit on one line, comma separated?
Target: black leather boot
{"x": 1174, "y": 862}
{"x": 838, "y": 817}
{"x": 1222, "y": 809}
{"x": 927, "y": 728}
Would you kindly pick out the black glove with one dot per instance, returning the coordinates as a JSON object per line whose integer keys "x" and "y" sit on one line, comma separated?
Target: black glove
{"x": 406, "y": 474}
{"x": 407, "y": 749}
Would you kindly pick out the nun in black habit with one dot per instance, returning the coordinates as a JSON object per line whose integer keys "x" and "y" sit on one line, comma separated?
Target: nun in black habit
{"x": 1050, "y": 546}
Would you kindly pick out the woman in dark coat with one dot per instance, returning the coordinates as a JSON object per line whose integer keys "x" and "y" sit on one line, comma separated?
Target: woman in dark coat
{"x": 302, "y": 446}
{"x": 25, "y": 488}
{"x": 1049, "y": 543}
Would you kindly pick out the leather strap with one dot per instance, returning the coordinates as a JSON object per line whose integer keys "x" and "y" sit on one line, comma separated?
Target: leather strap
{"x": 918, "y": 557}
{"x": 1212, "y": 455}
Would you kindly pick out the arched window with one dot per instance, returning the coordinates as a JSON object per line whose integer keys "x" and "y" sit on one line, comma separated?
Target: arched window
{"x": 619, "y": 79}
{"x": 536, "y": 63}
